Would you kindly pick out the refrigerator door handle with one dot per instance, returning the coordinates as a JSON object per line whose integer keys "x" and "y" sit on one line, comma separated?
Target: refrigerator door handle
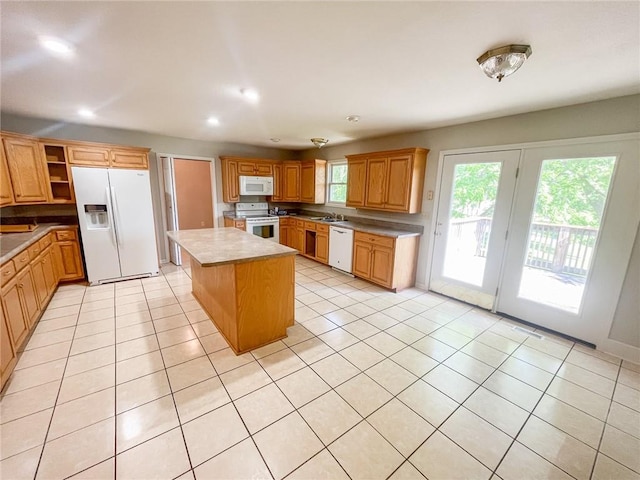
{"x": 114, "y": 202}
{"x": 114, "y": 235}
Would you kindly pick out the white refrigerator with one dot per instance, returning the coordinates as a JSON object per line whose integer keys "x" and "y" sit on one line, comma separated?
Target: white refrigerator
{"x": 116, "y": 223}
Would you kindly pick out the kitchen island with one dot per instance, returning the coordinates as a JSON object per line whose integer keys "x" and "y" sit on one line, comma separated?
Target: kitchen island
{"x": 245, "y": 283}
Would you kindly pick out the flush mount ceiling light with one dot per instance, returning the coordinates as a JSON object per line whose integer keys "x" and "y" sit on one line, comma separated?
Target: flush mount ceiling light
{"x": 353, "y": 118}
{"x": 503, "y": 61}
{"x": 274, "y": 139}
{"x": 319, "y": 142}
{"x": 56, "y": 46}
{"x": 213, "y": 121}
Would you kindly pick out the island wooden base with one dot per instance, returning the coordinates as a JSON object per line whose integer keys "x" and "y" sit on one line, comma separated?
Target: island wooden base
{"x": 251, "y": 303}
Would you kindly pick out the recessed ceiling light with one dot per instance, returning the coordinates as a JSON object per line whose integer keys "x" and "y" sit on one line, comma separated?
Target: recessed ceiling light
{"x": 250, "y": 95}
{"x": 56, "y": 46}
{"x": 86, "y": 113}
{"x": 213, "y": 121}
{"x": 353, "y": 118}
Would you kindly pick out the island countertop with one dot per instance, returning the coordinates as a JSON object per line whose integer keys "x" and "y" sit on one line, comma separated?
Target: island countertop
{"x": 219, "y": 246}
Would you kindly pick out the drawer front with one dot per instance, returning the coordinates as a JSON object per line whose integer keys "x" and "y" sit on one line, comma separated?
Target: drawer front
{"x": 309, "y": 226}
{"x": 374, "y": 239}
{"x": 7, "y": 271}
{"x": 21, "y": 260}
{"x": 300, "y": 223}
{"x": 240, "y": 224}
{"x": 284, "y": 222}
{"x": 320, "y": 227}
{"x": 34, "y": 250}
{"x": 45, "y": 241}
{"x": 62, "y": 235}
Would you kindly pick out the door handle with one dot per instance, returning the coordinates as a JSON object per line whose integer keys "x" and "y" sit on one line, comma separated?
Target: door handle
{"x": 114, "y": 235}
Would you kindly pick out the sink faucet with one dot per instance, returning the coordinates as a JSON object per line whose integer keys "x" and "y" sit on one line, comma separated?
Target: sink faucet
{"x": 334, "y": 215}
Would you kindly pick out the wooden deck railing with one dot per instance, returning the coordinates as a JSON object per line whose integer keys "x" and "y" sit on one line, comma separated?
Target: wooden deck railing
{"x": 559, "y": 248}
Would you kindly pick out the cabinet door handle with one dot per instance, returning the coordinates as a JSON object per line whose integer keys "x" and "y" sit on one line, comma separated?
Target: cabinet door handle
{"x": 8, "y": 272}
{"x": 21, "y": 285}
{"x": 23, "y": 260}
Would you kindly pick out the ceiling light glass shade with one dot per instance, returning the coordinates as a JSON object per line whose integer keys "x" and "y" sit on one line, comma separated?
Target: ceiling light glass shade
{"x": 502, "y": 62}
{"x": 319, "y": 142}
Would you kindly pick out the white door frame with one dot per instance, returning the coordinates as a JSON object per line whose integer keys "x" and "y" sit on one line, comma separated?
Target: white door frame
{"x": 601, "y": 337}
{"x": 163, "y": 204}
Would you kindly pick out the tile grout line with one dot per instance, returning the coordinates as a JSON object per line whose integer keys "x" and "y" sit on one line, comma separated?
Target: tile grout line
{"x": 55, "y": 403}
{"x": 605, "y": 423}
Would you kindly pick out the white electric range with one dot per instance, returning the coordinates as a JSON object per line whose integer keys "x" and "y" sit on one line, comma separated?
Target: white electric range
{"x": 258, "y": 221}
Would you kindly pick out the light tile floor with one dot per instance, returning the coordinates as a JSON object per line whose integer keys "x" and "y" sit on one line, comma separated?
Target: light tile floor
{"x": 132, "y": 380}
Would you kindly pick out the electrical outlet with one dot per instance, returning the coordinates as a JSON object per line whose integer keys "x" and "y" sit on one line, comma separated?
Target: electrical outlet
{"x": 430, "y": 195}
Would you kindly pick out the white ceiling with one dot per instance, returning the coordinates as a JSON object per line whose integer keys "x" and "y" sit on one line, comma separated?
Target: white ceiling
{"x": 165, "y": 67}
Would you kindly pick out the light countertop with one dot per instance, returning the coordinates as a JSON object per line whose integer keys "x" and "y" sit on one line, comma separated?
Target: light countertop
{"x": 377, "y": 227}
{"x": 219, "y": 246}
{"x": 13, "y": 243}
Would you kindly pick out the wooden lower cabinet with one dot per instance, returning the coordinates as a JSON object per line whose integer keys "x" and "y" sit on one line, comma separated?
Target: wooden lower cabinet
{"x": 67, "y": 256}
{"x": 234, "y": 223}
{"x": 15, "y": 313}
{"x": 8, "y": 356}
{"x": 387, "y": 261}
{"x": 44, "y": 275}
{"x": 322, "y": 247}
{"x": 29, "y": 280}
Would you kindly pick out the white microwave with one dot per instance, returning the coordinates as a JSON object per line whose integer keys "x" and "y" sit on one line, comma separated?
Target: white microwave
{"x": 256, "y": 185}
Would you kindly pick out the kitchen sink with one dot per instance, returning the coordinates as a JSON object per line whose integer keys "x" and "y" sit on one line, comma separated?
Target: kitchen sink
{"x": 325, "y": 219}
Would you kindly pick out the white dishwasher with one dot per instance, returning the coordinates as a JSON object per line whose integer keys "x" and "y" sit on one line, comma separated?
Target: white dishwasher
{"x": 340, "y": 248}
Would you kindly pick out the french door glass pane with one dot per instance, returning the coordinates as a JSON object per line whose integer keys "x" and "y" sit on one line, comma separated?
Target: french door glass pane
{"x": 567, "y": 213}
{"x": 473, "y": 200}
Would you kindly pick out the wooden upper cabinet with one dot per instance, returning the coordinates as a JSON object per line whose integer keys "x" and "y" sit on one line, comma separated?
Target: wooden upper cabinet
{"x": 278, "y": 184}
{"x": 313, "y": 178}
{"x": 6, "y": 192}
{"x": 59, "y": 173}
{"x": 391, "y": 180}
{"x": 291, "y": 182}
{"x": 103, "y": 155}
{"x": 398, "y": 173}
{"x": 259, "y": 168}
{"x": 356, "y": 182}
{"x": 91, "y": 156}
{"x": 246, "y": 168}
{"x": 230, "y": 186}
{"x": 376, "y": 186}
{"x": 26, "y": 169}
{"x": 129, "y": 158}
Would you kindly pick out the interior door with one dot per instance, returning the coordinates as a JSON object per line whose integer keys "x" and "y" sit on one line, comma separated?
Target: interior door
{"x": 573, "y": 224}
{"x": 194, "y": 196}
{"x": 171, "y": 212}
{"x": 476, "y": 192}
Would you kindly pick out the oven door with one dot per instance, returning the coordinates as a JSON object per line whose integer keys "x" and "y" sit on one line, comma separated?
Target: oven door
{"x": 269, "y": 229}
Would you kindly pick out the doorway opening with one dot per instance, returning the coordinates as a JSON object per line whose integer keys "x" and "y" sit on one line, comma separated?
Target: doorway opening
{"x": 189, "y": 198}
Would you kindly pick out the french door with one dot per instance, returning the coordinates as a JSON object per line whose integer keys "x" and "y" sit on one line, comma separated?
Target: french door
{"x": 473, "y": 215}
{"x": 551, "y": 247}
